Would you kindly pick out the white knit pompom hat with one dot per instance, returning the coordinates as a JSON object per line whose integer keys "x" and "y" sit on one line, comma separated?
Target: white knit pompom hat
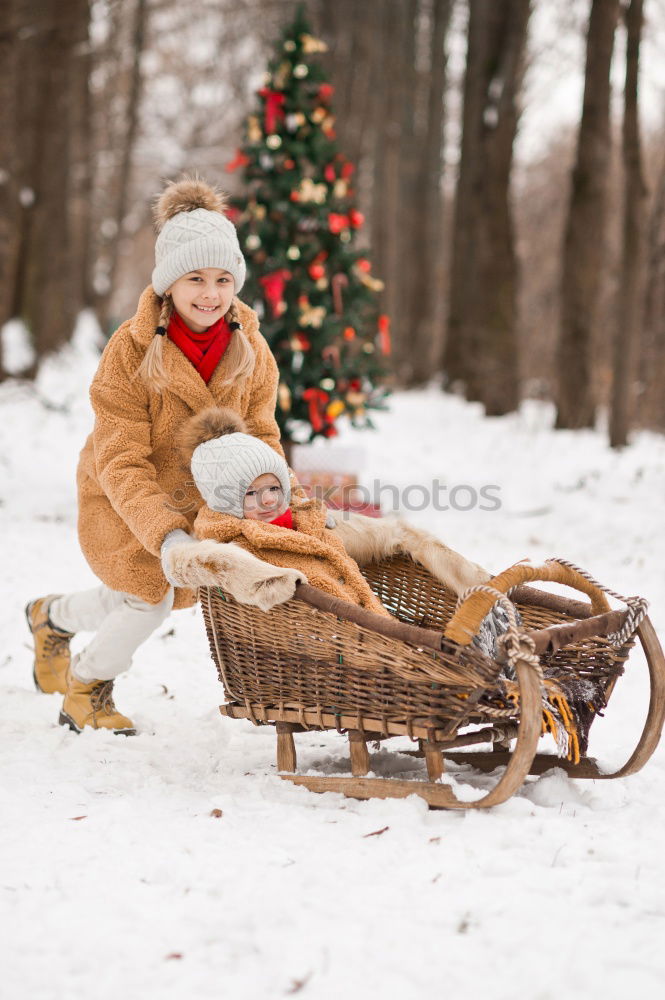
{"x": 225, "y": 460}
{"x": 225, "y": 468}
{"x": 194, "y": 232}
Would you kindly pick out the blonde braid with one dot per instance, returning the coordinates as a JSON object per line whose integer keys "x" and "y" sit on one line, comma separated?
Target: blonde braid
{"x": 151, "y": 369}
{"x": 239, "y": 354}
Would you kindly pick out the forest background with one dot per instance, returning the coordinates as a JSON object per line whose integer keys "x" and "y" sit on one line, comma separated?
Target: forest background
{"x": 510, "y": 168}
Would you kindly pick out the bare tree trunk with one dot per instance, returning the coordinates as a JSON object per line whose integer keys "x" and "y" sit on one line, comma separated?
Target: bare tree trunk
{"x": 81, "y": 176}
{"x": 652, "y": 355}
{"x": 46, "y": 292}
{"x": 584, "y": 245}
{"x": 481, "y": 348}
{"x": 427, "y": 225}
{"x": 10, "y": 212}
{"x": 386, "y": 238}
{"x": 633, "y": 263}
{"x": 123, "y": 178}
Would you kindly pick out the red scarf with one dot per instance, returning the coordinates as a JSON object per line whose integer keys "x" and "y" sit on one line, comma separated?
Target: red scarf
{"x": 204, "y": 350}
{"x": 285, "y": 520}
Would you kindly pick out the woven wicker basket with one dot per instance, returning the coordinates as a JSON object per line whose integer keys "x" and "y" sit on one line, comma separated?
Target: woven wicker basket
{"x": 320, "y": 663}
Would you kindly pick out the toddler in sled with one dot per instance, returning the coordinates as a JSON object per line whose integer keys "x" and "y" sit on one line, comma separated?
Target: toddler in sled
{"x": 249, "y": 501}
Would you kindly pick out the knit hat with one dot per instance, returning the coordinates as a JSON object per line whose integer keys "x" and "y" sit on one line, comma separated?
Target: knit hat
{"x": 225, "y": 460}
{"x": 194, "y": 232}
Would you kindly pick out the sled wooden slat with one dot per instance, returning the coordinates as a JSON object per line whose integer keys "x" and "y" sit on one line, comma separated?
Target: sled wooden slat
{"x": 312, "y": 719}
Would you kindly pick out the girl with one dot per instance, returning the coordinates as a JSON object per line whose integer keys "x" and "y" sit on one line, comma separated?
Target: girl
{"x": 191, "y": 344}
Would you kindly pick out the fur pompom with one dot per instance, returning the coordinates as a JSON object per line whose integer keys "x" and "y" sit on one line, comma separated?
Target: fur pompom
{"x": 207, "y": 425}
{"x": 186, "y": 195}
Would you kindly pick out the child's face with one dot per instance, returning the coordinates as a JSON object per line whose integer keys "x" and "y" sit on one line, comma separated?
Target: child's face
{"x": 264, "y": 500}
{"x": 202, "y": 297}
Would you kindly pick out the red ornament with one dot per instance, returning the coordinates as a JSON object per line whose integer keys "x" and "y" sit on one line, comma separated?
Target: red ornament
{"x": 326, "y": 90}
{"x": 301, "y": 342}
{"x": 347, "y": 170}
{"x": 233, "y": 213}
{"x": 289, "y": 164}
{"x": 349, "y": 333}
{"x": 330, "y": 431}
{"x": 364, "y": 265}
{"x": 337, "y": 223}
{"x": 295, "y": 195}
{"x": 273, "y": 285}
{"x": 356, "y": 218}
{"x": 354, "y": 385}
{"x": 273, "y": 108}
{"x": 316, "y": 400}
{"x": 239, "y": 160}
{"x": 384, "y": 333}
{"x": 329, "y": 174}
{"x": 316, "y": 271}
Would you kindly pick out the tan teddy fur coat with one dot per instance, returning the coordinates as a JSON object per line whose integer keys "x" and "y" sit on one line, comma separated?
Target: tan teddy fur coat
{"x": 310, "y": 549}
{"x": 131, "y": 486}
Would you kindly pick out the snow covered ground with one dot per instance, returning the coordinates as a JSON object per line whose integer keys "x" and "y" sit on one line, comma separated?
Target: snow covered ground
{"x": 115, "y": 877}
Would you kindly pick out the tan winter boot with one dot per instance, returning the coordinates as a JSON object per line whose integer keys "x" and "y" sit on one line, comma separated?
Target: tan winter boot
{"x": 52, "y": 656}
{"x": 91, "y": 704}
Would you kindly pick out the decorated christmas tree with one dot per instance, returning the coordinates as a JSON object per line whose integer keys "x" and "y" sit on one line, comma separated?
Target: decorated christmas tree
{"x": 297, "y": 223}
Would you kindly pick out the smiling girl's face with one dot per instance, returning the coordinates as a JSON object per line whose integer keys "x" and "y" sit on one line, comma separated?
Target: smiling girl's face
{"x": 202, "y": 297}
{"x": 264, "y": 500}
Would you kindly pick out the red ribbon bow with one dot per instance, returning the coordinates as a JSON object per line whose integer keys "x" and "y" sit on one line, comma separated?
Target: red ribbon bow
{"x": 273, "y": 285}
{"x": 273, "y": 109}
{"x": 316, "y": 399}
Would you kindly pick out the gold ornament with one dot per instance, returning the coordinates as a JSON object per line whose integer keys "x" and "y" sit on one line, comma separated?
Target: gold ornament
{"x": 254, "y": 133}
{"x": 274, "y": 141}
{"x": 284, "y": 397}
{"x": 341, "y": 188}
{"x": 345, "y": 236}
{"x": 309, "y": 191}
{"x": 334, "y": 409}
{"x": 300, "y": 71}
{"x": 282, "y": 75}
{"x": 311, "y": 44}
{"x": 318, "y": 114}
{"x": 322, "y": 284}
{"x": 368, "y": 348}
{"x": 312, "y": 315}
{"x": 374, "y": 284}
{"x": 328, "y": 384}
{"x": 355, "y": 399}
{"x": 253, "y": 242}
{"x": 290, "y": 46}
{"x": 293, "y": 253}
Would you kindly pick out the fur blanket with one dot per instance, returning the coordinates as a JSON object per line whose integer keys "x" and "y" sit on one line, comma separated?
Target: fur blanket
{"x": 256, "y": 581}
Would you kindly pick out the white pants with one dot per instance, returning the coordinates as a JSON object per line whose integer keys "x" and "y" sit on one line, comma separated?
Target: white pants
{"x": 121, "y": 623}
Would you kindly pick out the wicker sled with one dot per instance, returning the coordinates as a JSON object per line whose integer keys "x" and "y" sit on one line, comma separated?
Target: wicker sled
{"x": 317, "y": 663}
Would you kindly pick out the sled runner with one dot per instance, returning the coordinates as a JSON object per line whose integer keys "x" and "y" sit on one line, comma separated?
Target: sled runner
{"x": 318, "y": 663}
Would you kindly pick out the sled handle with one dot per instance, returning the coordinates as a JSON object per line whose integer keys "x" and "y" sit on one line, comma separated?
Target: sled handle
{"x": 471, "y": 610}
